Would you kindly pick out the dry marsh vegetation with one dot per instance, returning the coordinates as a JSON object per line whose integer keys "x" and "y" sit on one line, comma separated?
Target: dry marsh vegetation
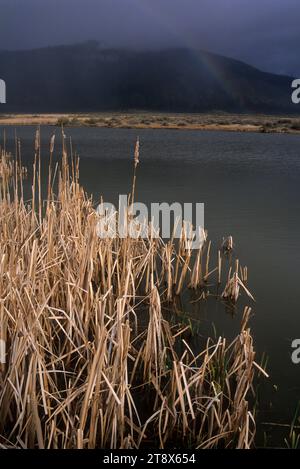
{"x": 92, "y": 359}
{"x": 6, "y": 166}
{"x": 218, "y": 121}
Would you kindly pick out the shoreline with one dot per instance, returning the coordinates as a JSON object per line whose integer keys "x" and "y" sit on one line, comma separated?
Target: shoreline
{"x": 207, "y": 122}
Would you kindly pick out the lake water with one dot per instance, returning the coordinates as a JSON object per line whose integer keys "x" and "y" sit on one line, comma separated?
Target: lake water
{"x": 250, "y": 186}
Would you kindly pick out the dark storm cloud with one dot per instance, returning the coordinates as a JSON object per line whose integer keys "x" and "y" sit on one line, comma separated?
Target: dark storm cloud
{"x": 262, "y": 32}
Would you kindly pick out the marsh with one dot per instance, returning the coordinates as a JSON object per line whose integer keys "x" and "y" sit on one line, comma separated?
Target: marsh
{"x": 249, "y": 183}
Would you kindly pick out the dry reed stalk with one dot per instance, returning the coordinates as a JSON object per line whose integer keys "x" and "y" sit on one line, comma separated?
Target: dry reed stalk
{"x": 232, "y": 288}
{"x": 135, "y": 164}
{"x": 219, "y": 267}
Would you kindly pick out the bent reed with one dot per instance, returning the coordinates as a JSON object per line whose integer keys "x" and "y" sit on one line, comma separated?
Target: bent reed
{"x": 92, "y": 358}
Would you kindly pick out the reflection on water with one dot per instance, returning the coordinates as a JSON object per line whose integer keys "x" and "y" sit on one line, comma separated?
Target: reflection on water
{"x": 250, "y": 186}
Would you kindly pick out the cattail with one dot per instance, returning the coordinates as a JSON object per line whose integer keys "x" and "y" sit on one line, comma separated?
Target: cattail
{"x": 52, "y": 141}
{"x": 79, "y": 355}
{"x": 137, "y": 153}
{"x": 136, "y": 162}
{"x": 227, "y": 245}
{"x": 37, "y": 140}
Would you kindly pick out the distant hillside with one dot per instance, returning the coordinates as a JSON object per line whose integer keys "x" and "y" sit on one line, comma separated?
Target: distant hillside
{"x": 85, "y": 77}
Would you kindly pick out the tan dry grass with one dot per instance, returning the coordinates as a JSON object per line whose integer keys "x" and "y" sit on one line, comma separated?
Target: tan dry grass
{"x": 81, "y": 371}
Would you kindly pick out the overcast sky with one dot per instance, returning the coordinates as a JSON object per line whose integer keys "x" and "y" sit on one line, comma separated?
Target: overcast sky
{"x": 265, "y": 33}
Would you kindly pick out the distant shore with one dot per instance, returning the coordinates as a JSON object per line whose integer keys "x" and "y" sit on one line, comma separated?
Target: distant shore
{"x": 214, "y": 122}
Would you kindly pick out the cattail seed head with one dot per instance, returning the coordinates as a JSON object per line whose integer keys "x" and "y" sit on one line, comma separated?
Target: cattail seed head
{"x": 137, "y": 152}
{"x": 52, "y": 143}
{"x": 37, "y": 140}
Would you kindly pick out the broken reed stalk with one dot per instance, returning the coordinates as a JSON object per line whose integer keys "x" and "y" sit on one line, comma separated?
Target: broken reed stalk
{"x": 91, "y": 359}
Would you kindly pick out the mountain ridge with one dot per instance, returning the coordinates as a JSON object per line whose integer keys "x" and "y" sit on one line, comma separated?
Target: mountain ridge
{"x": 85, "y": 77}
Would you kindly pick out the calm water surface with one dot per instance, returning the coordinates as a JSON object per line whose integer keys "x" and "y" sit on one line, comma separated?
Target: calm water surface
{"x": 250, "y": 184}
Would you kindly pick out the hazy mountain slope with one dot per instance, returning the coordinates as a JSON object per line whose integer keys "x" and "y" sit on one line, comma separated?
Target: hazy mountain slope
{"x": 84, "y": 77}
